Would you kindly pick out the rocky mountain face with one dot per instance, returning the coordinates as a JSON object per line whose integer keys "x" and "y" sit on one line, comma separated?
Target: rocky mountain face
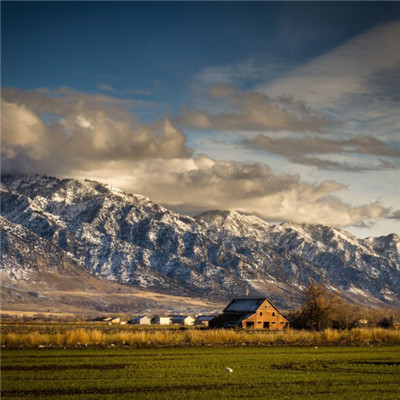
{"x": 47, "y": 223}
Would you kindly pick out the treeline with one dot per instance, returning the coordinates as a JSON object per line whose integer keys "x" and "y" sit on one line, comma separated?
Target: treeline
{"x": 323, "y": 309}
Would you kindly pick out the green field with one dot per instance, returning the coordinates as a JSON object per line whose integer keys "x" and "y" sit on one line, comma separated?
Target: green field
{"x": 199, "y": 373}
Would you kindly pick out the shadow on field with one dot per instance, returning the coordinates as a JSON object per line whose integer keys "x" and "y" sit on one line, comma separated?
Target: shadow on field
{"x": 388, "y": 363}
{"x": 68, "y": 367}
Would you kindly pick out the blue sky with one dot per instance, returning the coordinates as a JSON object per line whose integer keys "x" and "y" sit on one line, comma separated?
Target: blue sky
{"x": 288, "y": 110}
{"x": 140, "y": 46}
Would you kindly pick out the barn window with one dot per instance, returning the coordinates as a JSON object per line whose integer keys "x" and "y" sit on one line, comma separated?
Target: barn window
{"x": 273, "y": 314}
{"x": 282, "y": 323}
{"x": 259, "y": 322}
{"x": 260, "y": 314}
{"x": 272, "y": 322}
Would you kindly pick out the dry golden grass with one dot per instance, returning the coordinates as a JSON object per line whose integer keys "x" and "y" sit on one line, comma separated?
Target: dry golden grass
{"x": 194, "y": 337}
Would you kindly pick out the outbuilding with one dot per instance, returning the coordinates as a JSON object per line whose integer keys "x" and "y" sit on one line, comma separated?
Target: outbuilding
{"x": 183, "y": 320}
{"x": 204, "y": 320}
{"x": 141, "y": 320}
{"x": 161, "y": 320}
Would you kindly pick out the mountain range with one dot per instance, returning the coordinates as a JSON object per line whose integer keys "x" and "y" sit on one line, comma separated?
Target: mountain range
{"x": 67, "y": 234}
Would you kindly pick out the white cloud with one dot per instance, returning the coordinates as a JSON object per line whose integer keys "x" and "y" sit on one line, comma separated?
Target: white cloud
{"x": 71, "y": 123}
{"x": 355, "y": 154}
{"x": 23, "y": 129}
{"x": 106, "y": 87}
{"x": 345, "y": 71}
{"x": 81, "y": 130}
{"x": 228, "y": 74}
{"x": 251, "y": 111}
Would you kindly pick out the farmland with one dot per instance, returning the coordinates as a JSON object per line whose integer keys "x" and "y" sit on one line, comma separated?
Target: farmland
{"x": 200, "y": 373}
{"x": 72, "y": 335}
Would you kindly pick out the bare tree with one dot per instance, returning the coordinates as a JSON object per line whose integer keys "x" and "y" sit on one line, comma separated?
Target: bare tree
{"x": 320, "y": 307}
{"x": 323, "y": 309}
{"x": 346, "y": 315}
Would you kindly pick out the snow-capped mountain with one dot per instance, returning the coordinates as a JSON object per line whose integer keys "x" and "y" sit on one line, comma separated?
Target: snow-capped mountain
{"x": 129, "y": 239}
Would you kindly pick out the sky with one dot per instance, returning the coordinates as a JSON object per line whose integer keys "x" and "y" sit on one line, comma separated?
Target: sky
{"x": 286, "y": 110}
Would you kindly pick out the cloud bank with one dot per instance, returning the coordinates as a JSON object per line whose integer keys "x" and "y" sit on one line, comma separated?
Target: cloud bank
{"x": 251, "y": 111}
{"x": 94, "y": 136}
{"x": 45, "y": 131}
{"x": 305, "y": 151}
{"x": 207, "y": 184}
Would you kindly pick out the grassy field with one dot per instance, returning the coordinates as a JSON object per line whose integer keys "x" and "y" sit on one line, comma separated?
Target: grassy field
{"x": 199, "y": 373}
{"x": 71, "y": 335}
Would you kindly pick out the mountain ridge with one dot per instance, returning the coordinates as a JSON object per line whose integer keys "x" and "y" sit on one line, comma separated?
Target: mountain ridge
{"x": 129, "y": 239}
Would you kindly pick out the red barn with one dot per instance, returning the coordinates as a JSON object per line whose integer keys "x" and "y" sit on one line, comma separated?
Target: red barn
{"x": 248, "y": 313}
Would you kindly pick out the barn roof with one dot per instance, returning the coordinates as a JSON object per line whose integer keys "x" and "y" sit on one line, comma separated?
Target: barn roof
{"x": 244, "y": 305}
{"x": 205, "y": 317}
{"x": 181, "y": 317}
{"x": 231, "y": 320}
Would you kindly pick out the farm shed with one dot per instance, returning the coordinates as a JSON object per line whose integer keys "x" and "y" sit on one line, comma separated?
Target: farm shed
{"x": 110, "y": 320}
{"x": 248, "y": 313}
{"x": 183, "y": 320}
{"x": 141, "y": 320}
{"x": 161, "y": 320}
{"x": 204, "y": 319}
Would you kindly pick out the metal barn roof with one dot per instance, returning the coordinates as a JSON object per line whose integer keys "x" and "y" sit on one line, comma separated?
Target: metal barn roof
{"x": 244, "y": 305}
{"x": 205, "y": 317}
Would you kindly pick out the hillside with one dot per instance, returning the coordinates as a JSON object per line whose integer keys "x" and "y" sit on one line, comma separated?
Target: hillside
{"x": 53, "y": 229}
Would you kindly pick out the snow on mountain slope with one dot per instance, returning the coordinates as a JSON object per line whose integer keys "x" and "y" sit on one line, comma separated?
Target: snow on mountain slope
{"x": 129, "y": 239}
{"x": 38, "y": 277}
{"x": 117, "y": 236}
{"x": 249, "y": 226}
{"x": 324, "y": 254}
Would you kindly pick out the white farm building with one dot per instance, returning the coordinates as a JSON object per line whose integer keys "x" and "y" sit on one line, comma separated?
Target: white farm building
{"x": 161, "y": 320}
{"x": 183, "y": 320}
{"x": 141, "y": 320}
